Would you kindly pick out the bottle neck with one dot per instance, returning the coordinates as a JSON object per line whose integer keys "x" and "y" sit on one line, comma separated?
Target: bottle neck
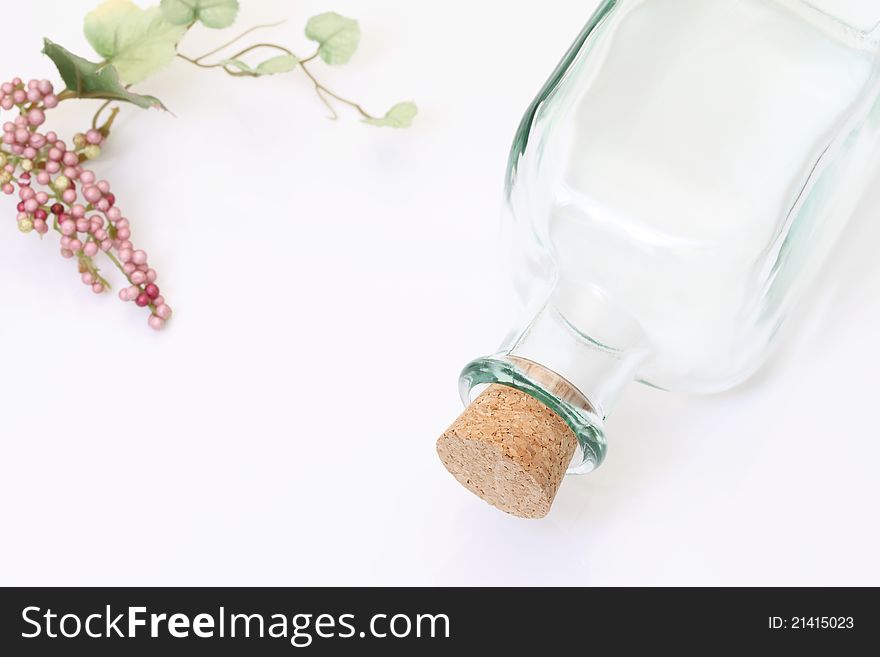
{"x": 597, "y": 370}
{"x": 564, "y": 357}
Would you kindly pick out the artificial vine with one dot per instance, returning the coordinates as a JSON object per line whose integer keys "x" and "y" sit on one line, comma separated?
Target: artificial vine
{"x": 56, "y": 188}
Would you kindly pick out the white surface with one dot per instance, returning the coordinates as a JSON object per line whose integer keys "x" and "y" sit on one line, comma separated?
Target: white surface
{"x": 329, "y": 282}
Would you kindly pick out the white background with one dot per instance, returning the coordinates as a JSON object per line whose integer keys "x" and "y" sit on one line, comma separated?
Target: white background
{"x": 329, "y": 281}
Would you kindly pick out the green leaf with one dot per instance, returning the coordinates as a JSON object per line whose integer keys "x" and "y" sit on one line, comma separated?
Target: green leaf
{"x": 99, "y": 22}
{"x": 211, "y": 13}
{"x": 244, "y": 67}
{"x": 337, "y": 35}
{"x": 399, "y": 116}
{"x": 138, "y": 42}
{"x": 90, "y": 80}
{"x": 280, "y": 64}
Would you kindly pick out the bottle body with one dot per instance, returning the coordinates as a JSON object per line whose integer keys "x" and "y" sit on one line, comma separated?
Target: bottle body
{"x": 673, "y": 190}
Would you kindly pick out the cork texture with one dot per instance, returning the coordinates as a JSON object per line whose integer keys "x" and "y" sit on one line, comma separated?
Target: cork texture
{"x": 510, "y": 449}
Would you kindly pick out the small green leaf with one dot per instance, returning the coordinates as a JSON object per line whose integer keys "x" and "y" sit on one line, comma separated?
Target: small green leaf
{"x": 138, "y": 42}
{"x": 399, "y": 116}
{"x": 211, "y": 13}
{"x": 280, "y": 64}
{"x": 244, "y": 67}
{"x": 90, "y": 80}
{"x": 337, "y": 35}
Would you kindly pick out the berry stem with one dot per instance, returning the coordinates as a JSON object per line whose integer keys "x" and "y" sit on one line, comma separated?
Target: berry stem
{"x": 118, "y": 264}
{"x": 104, "y": 129}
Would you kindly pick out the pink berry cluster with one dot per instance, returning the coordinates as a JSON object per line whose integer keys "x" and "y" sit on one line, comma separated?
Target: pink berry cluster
{"x": 70, "y": 199}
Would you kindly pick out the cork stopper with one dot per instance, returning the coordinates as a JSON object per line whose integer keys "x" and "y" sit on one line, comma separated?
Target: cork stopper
{"x": 510, "y": 449}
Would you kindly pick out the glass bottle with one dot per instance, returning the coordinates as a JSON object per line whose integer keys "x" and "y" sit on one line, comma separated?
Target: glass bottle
{"x": 671, "y": 192}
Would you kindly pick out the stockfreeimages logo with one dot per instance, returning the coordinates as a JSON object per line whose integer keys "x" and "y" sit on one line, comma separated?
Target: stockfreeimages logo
{"x": 299, "y": 629}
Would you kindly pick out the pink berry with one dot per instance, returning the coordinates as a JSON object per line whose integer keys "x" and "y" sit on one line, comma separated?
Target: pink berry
{"x": 36, "y": 117}
{"x": 92, "y": 193}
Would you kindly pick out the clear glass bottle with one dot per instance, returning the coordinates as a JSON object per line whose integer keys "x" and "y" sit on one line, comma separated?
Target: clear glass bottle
{"x": 673, "y": 189}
